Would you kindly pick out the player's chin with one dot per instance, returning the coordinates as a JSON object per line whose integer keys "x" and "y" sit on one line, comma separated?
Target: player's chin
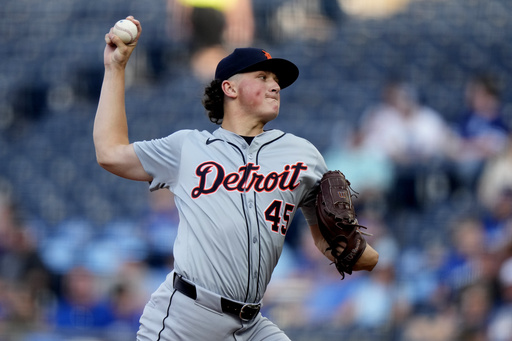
{"x": 275, "y": 112}
{"x": 270, "y": 116}
{"x": 274, "y": 107}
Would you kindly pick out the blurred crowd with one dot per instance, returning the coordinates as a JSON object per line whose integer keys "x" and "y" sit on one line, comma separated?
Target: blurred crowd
{"x": 436, "y": 195}
{"x": 74, "y": 287}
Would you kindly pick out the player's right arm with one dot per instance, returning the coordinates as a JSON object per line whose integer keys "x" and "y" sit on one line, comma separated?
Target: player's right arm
{"x": 113, "y": 149}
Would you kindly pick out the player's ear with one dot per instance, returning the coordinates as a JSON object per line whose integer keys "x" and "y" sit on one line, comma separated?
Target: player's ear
{"x": 229, "y": 88}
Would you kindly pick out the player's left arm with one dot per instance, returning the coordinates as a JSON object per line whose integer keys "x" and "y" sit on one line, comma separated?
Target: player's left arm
{"x": 368, "y": 259}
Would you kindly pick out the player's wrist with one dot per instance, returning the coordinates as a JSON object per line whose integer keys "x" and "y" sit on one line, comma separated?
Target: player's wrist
{"x": 115, "y": 68}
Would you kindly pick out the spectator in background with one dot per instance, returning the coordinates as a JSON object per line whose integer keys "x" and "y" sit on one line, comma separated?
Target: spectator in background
{"x": 128, "y": 293}
{"x": 475, "y": 304}
{"x": 495, "y": 196}
{"x": 496, "y": 177}
{"x": 434, "y": 327}
{"x": 25, "y": 281}
{"x": 19, "y": 258}
{"x": 482, "y": 132}
{"x": 160, "y": 226}
{"x": 210, "y": 28}
{"x": 412, "y": 135}
{"x": 303, "y": 20}
{"x": 369, "y": 170}
{"x": 81, "y": 307}
{"x": 500, "y": 325}
{"x": 467, "y": 253}
{"x": 126, "y": 309}
{"x": 404, "y": 129}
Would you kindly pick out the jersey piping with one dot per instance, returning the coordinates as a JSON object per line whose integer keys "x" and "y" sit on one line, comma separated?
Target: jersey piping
{"x": 255, "y": 209}
{"x": 247, "y": 227}
{"x": 249, "y": 265}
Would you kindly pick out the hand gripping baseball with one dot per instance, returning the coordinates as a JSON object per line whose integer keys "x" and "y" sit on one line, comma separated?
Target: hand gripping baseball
{"x": 337, "y": 221}
{"x": 117, "y": 53}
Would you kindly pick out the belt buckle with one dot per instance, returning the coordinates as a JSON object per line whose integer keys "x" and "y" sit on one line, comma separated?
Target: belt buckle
{"x": 253, "y": 310}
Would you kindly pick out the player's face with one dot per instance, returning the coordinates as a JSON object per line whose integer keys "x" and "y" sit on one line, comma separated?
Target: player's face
{"x": 259, "y": 93}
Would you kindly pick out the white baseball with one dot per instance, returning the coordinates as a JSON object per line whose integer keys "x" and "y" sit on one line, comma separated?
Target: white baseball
{"x": 126, "y": 30}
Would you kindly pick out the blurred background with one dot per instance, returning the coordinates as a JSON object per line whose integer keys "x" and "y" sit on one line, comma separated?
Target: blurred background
{"x": 411, "y": 99}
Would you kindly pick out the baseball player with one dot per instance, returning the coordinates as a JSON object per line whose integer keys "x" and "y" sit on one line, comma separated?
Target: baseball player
{"x": 236, "y": 189}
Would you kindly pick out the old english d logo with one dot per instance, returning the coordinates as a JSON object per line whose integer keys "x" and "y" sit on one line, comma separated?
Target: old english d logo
{"x": 267, "y": 54}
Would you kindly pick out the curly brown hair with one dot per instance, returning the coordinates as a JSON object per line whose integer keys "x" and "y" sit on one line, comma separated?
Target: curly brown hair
{"x": 213, "y": 101}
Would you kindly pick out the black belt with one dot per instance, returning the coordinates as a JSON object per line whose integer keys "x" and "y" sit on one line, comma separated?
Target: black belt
{"x": 246, "y": 312}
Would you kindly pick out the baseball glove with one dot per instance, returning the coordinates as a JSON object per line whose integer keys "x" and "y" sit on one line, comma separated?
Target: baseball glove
{"x": 337, "y": 221}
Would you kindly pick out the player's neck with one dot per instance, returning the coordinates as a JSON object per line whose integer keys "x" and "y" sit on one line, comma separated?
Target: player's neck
{"x": 243, "y": 128}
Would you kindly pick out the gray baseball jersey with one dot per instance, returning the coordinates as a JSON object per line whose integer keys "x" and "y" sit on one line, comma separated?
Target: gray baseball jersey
{"x": 235, "y": 202}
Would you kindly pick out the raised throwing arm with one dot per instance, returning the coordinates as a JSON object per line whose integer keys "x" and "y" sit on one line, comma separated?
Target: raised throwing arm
{"x": 113, "y": 149}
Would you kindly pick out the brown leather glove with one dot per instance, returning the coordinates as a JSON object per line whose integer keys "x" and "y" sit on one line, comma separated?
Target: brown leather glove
{"x": 338, "y": 223}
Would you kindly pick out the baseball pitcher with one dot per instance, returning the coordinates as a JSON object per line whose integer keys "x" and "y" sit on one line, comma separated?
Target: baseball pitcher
{"x": 236, "y": 189}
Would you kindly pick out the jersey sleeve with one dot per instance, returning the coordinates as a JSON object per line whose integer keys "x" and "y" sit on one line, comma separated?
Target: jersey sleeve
{"x": 160, "y": 158}
{"x": 308, "y": 205}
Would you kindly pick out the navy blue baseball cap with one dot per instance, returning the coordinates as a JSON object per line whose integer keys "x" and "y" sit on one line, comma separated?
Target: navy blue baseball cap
{"x": 250, "y": 59}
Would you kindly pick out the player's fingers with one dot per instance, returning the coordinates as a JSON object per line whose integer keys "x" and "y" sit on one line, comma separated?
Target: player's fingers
{"x": 115, "y": 40}
{"x": 137, "y": 23}
{"x": 110, "y": 38}
{"x": 132, "y": 19}
{"x": 107, "y": 39}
